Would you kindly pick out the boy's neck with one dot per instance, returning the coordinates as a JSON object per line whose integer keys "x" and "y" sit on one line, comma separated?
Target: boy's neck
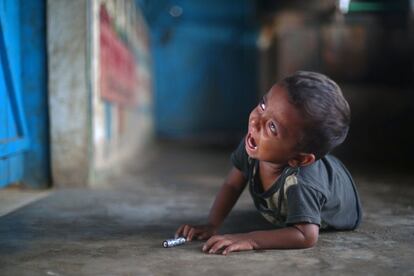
{"x": 272, "y": 168}
{"x": 269, "y": 172}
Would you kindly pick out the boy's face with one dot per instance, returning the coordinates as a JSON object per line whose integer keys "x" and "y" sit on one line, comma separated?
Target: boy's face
{"x": 275, "y": 128}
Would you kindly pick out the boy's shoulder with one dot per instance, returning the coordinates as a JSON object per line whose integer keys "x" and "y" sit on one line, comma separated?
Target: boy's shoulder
{"x": 323, "y": 173}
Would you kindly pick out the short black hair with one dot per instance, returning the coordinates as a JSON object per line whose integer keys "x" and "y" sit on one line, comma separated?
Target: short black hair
{"x": 326, "y": 112}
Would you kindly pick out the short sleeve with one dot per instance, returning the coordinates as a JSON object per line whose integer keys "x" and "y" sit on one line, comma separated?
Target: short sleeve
{"x": 240, "y": 159}
{"x": 304, "y": 205}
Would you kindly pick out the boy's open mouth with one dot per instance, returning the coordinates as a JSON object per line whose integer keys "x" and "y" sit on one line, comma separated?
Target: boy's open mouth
{"x": 251, "y": 143}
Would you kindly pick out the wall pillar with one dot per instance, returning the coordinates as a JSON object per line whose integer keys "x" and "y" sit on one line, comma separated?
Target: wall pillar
{"x": 69, "y": 98}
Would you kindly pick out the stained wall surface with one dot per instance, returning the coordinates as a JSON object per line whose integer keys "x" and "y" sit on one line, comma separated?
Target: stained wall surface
{"x": 99, "y": 87}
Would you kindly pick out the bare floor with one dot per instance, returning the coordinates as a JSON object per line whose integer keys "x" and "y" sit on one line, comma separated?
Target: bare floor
{"x": 118, "y": 227}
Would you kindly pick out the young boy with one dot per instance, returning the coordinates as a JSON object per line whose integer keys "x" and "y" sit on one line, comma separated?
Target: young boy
{"x": 284, "y": 160}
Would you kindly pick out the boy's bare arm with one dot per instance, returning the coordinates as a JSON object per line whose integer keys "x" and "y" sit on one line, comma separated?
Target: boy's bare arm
{"x": 294, "y": 237}
{"x": 226, "y": 198}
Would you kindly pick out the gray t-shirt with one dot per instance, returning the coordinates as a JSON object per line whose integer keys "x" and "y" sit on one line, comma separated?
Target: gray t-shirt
{"x": 322, "y": 193}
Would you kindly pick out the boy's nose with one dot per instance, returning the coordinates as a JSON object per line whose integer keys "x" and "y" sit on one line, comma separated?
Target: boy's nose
{"x": 255, "y": 124}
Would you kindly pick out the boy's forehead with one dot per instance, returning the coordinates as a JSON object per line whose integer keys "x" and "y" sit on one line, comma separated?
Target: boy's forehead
{"x": 282, "y": 109}
{"x": 277, "y": 95}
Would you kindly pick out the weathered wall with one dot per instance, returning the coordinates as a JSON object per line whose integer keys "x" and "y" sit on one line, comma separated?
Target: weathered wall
{"x": 100, "y": 106}
{"x": 69, "y": 105}
{"x": 122, "y": 118}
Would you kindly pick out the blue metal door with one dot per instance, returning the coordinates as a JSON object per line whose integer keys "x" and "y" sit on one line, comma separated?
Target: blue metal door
{"x": 23, "y": 115}
{"x": 13, "y": 130}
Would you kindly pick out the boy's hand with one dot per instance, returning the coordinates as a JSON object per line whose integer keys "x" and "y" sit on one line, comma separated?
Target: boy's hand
{"x": 201, "y": 232}
{"x": 225, "y": 244}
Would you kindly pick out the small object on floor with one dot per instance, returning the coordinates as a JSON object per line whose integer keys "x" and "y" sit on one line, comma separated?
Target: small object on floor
{"x": 174, "y": 242}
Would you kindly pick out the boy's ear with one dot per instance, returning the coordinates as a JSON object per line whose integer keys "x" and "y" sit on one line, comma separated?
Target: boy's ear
{"x": 302, "y": 159}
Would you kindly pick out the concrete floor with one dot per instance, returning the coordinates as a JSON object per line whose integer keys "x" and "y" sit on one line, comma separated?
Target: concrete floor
{"x": 118, "y": 228}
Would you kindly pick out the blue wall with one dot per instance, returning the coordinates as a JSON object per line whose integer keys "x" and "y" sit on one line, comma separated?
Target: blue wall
{"x": 205, "y": 65}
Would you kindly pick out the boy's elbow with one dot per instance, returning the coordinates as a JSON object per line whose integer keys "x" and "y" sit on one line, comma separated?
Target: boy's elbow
{"x": 309, "y": 234}
{"x": 310, "y": 241}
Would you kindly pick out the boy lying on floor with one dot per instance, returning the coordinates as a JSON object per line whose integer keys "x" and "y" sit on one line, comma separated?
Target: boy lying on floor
{"x": 292, "y": 179}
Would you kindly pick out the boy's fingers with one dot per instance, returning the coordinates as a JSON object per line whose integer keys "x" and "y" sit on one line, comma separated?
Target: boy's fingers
{"x": 231, "y": 248}
{"x": 219, "y": 245}
{"x": 237, "y": 246}
{"x": 187, "y": 229}
{"x": 209, "y": 243}
{"x": 191, "y": 234}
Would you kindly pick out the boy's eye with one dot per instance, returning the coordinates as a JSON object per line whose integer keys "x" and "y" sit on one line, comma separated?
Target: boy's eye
{"x": 273, "y": 127}
{"x": 262, "y": 104}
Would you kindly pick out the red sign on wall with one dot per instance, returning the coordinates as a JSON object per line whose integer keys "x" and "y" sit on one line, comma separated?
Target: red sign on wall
{"x": 118, "y": 79}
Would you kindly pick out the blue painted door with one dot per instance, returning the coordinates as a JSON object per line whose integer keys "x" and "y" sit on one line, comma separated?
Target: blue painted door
{"x": 23, "y": 104}
{"x": 13, "y": 130}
